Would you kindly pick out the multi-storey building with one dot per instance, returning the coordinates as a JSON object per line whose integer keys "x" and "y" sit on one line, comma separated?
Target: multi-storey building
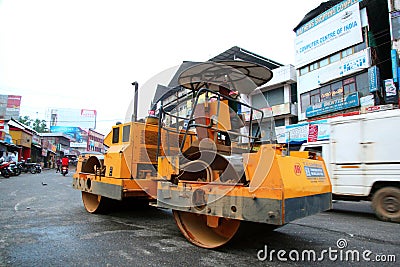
{"x": 336, "y": 45}
{"x": 342, "y": 53}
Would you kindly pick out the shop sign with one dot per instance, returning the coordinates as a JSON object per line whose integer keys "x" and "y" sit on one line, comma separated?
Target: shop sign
{"x": 312, "y": 133}
{"x": 349, "y": 101}
{"x": 367, "y": 101}
{"x": 378, "y": 108}
{"x": 391, "y": 95}
{"x": 395, "y": 61}
{"x": 36, "y": 139}
{"x": 301, "y": 132}
{"x": 374, "y": 78}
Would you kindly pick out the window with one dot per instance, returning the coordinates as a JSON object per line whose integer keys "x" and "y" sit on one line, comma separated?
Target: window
{"x": 303, "y": 70}
{"x": 125, "y": 133}
{"x": 349, "y": 86}
{"x": 315, "y": 149}
{"x": 115, "y": 137}
{"x": 337, "y": 90}
{"x": 293, "y": 93}
{"x": 279, "y": 122}
{"x": 323, "y": 62}
{"x": 334, "y": 58}
{"x": 347, "y": 52}
{"x": 314, "y": 66}
{"x": 315, "y": 97}
{"x": 325, "y": 93}
{"x": 362, "y": 84}
{"x": 305, "y": 101}
{"x": 274, "y": 97}
{"x": 294, "y": 120}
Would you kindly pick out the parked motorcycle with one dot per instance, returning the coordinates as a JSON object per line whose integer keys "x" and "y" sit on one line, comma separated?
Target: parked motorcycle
{"x": 29, "y": 167}
{"x": 38, "y": 168}
{"x": 64, "y": 170}
{"x": 15, "y": 170}
{"x": 5, "y": 169}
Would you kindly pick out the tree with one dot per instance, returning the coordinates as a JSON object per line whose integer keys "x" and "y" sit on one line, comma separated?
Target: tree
{"x": 25, "y": 120}
{"x": 39, "y": 126}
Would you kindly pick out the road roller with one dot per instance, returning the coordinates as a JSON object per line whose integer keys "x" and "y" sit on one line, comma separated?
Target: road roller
{"x": 210, "y": 155}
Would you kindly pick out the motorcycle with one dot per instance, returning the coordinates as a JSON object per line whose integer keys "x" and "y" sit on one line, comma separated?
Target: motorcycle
{"x": 15, "y": 170}
{"x": 64, "y": 170}
{"x": 5, "y": 169}
{"x": 38, "y": 168}
{"x": 26, "y": 166}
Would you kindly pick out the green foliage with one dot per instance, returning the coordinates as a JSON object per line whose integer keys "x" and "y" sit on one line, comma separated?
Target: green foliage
{"x": 25, "y": 120}
{"x": 39, "y": 126}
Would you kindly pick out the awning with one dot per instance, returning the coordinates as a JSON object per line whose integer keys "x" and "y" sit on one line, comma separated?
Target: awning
{"x": 9, "y": 145}
{"x": 37, "y": 146}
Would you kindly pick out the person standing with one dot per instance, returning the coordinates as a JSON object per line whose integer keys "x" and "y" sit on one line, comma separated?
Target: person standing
{"x": 58, "y": 162}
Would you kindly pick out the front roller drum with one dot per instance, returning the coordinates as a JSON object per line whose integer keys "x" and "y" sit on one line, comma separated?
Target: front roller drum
{"x": 206, "y": 231}
{"x": 95, "y": 203}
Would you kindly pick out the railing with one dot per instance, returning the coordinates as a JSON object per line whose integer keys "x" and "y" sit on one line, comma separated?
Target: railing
{"x": 191, "y": 121}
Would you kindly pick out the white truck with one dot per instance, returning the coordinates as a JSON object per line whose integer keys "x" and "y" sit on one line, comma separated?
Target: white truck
{"x": 362, "y": 156}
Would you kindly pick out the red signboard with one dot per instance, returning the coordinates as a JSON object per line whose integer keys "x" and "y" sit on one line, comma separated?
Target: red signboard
{"x": 14, "y": 101}
{"x": 312, "y": 133}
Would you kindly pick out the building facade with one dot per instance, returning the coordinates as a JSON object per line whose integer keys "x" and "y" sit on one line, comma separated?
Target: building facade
{"x": 343, "y": 63}
{"x": 54, "y": 145}
{"x": 339, "y": 48}
{"x": 281, "y": 95}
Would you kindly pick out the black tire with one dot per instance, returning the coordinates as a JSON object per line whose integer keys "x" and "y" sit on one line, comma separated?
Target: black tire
{"x": 32, "y": 170}
{"x": 17, "y": 171}
{"x": 5, "y": 174}
{"x": 386, "y": 204}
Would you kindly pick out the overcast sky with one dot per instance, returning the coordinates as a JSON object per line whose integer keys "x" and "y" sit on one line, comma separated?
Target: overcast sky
{"x": 86, "y": 53}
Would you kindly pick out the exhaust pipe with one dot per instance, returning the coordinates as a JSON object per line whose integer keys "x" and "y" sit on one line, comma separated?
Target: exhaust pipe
{"x": 135, "y": 102}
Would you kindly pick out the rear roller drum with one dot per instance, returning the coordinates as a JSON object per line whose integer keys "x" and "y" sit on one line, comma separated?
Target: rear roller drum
{"x": 95, "y": 203}
{"x": 206, "y": 231}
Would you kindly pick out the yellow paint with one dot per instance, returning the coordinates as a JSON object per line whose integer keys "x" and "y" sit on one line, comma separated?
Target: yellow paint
{"x": 168, "y": 166}
{"x": 222, "y": 117}
{"x": 21, "y": 138}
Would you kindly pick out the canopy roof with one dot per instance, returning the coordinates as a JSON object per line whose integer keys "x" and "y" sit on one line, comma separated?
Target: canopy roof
{"x": 242, "y": 76}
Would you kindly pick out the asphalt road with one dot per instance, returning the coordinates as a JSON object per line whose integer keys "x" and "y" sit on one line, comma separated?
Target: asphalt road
{"x": 43, "y": 223}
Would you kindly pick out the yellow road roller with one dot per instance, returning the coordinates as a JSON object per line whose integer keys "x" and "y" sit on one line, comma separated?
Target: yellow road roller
{"x": 210, "y": 155}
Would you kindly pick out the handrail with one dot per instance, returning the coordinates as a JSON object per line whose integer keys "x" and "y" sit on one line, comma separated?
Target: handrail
{"x": 190, "y": 120}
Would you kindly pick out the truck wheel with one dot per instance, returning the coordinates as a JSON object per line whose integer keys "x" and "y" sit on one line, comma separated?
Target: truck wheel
{"x": 386, "y": 204}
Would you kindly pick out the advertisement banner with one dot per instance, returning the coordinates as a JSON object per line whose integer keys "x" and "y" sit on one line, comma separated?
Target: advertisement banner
{"x": 10, "y": 106}
{"x": 367, "y": 101}
{"x": 391, "y": 95}
{"x": 349, "y": 101}
{"x": 395, "y": 63}
{"x": 334, "y": 30}
{"x": 299, "y": 133}
{"x": 312, "y": 133}
{"x": 83, "y": 118}
{"x": 78, "y": 136}
{"x": 374, "y": 78}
